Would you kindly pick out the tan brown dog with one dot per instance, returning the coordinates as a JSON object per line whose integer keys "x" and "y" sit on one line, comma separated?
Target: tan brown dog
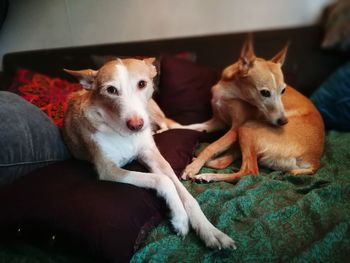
{"x": 272, "y": 122}
{"x": 109, "y": 124}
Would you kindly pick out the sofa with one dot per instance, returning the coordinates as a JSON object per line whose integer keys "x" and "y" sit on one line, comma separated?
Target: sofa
{"x": 57, "y": 210}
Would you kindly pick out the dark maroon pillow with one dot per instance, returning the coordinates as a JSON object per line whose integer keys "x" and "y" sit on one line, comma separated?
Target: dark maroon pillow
{"x": 185, "y": 90}
{"x": 105, "y": 218}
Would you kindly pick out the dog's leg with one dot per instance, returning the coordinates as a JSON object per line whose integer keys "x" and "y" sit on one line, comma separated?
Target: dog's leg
{"x": 211, "y": 125}
{"x": 249, "y": 159}
{"x": 158, "y": 117}
{"x": 221, "y": 162}
{"x": 212, "y": 237}
{"x": 224, "y": 160}
{"x": 167, "y": 124}
{"x": 307, "y": 165}
{"x": 213, "y": 149}
{"x": 108, "y": 171}
{"x": 305, "y": 171}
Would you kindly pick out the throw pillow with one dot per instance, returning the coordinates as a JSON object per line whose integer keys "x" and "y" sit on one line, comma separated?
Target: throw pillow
{"x": 68, "y": 202}
{"x": 47, "y": 93}
{"x": 185, "y": 90}
{"x": 28, "y": 138}
{"x": 332, "y": 99}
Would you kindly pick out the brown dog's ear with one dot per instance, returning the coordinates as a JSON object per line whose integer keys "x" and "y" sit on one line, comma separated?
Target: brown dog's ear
{"x": 228, "y": 73}
{"x": 280, "y": 57}
{"x": 149, "y": 62}
{"x": 86, "y": 77}
{"x": 248, "y": 57}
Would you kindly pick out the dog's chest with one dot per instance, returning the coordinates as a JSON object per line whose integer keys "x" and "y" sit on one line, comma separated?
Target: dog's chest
{"x": 119, "y": 149}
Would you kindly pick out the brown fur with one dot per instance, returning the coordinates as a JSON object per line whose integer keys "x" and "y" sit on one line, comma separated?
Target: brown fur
{"x": 260, "y": 127}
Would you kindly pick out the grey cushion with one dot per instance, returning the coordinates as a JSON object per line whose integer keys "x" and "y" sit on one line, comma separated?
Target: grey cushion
{"x": 28, "y": 138}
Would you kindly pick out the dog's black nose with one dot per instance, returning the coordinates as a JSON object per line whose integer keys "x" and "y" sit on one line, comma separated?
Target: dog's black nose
{"x": 282, "y": 121}
{"x": 134, "y": 124}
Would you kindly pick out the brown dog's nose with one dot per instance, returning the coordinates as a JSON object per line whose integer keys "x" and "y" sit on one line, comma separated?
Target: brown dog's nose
{"x": 282, "y": 121}
{"x": 134, "y": 123}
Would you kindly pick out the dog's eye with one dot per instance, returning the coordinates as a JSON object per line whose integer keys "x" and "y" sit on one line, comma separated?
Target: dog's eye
{"x": 112, "y": 90}
{"x": 141, "y": 84}
{"x": 265, "y": 93}
{"x": 283, "y": 90}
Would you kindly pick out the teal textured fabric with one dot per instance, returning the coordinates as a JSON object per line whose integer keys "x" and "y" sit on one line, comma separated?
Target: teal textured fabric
{"x": 332, "y": 99}
{"x": 273, "y": 217}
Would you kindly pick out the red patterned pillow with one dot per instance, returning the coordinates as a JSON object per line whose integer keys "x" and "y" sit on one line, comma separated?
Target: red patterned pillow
{"x": 47, "y": 93}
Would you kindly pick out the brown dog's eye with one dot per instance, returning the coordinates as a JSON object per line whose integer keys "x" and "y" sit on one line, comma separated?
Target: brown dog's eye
{"x": 283, "y": 91}
{"x": 112, "y": 90}
{"x": 141, "y": 84}
{"x": 265, "y": 93}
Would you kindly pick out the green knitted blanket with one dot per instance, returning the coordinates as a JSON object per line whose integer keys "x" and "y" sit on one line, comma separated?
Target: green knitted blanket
{"x": 273, "y": 217}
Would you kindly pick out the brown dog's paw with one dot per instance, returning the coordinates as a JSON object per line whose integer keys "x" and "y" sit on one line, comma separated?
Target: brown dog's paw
{"x": 191, "y": 170}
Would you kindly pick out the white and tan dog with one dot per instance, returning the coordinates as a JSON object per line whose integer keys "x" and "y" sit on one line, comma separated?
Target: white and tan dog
{"x": 108, "y": 124}
{"x": 268, "y": 122}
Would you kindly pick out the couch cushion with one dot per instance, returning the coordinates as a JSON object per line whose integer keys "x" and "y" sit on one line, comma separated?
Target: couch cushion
{"x": 66, "y": 199}
{"x": 28, "y": 139}
{"x": 185, "y": 90}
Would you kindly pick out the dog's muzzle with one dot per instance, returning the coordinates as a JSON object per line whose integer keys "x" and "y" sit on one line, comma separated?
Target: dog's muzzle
{"x": 282, "y": 121}
{"x": 135, "y": 123}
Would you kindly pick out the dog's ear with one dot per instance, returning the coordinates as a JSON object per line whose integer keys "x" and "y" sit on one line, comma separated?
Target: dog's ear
{"x": 228, "y": 73}
{"x": 152, "y": 67}
{"x": 86, "y": 77}
{"x": 248, "y": 57}
{"x": 280, "y": 57}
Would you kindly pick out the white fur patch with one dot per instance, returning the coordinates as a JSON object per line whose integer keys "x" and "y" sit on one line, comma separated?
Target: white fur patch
{"x": 274, "y": 80}
{"x": 119, "y": 149}
{"x": 132, "y": 101}
{"x": 123, "y": 75}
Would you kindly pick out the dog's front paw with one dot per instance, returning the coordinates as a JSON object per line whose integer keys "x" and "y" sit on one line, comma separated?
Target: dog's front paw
{"x": 204, "y": 177}
{"x": 216, "y": 239}
{"x": 219, "y": 240}
{"x": 181, "y": 225}
{"x": 191, "y": 170}
{"x": 161, "y": 130}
